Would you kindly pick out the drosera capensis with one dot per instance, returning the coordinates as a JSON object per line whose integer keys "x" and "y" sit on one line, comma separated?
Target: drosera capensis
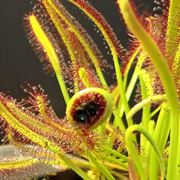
{"x": 100, "y": 136}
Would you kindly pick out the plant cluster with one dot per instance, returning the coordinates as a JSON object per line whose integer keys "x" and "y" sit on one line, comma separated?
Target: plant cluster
{"x": 99, "y": 137}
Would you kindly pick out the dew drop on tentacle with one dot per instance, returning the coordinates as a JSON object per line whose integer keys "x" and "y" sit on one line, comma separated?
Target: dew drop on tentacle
{"x": 89, "y": 107}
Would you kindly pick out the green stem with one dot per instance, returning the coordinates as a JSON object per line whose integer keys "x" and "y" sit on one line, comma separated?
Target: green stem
{"x": 118, "y": 121}
{"x": 133, "y": 81}
{"x": 75, "y": 168}
{"x": 119, "y": 175}
{"x": 151, "y": 99}
{"x": 155, "y": 111}
{"x": 129, "y": 65}
{"x": 160, "y": 134}
{"x": 133, "y": 153}
{"x": 100, "y": 167}
{"x": 115, "y": 153}
{"x": 117, "y": 162}
{"x": 122, "y": 90}
{"x": 166, "y": 77}
{"x": 151, "y": 127}
{"x": 146, "y": 110}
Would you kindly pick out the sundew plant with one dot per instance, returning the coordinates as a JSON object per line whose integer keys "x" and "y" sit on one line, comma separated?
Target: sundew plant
{"x": 99, "y": 138}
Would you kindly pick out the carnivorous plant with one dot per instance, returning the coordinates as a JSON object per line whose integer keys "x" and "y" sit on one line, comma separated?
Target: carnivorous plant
{"x": 99, "y": 138}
